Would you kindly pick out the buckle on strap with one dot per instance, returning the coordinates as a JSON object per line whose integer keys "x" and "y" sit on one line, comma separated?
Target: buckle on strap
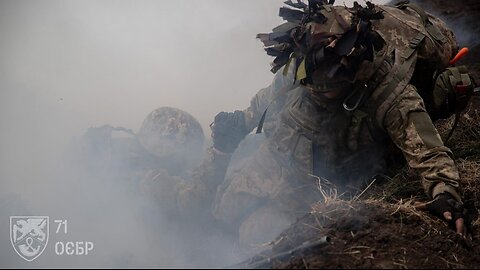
{"x": 357, "y": 102}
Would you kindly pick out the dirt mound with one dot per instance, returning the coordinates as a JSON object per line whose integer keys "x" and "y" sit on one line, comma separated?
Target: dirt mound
{"x": 373, "y": 234}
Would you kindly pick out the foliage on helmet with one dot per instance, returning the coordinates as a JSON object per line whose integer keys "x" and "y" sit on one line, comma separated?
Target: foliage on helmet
{"x": 319, "y": 52}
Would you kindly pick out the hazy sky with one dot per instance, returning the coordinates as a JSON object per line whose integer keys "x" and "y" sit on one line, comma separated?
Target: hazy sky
{"x": 69, "y": 65}
{"x": 87, "y": 63}
{"x": 75, "y": 64}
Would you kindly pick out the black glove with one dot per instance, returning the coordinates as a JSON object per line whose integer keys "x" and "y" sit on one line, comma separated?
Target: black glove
{"x": 445, "y": 202}
{"x": 228, "y": 130}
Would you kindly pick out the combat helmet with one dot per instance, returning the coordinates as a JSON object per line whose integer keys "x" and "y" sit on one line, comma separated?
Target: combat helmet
{"x": 326, "y": 44}
{"x": 172, "y": 135}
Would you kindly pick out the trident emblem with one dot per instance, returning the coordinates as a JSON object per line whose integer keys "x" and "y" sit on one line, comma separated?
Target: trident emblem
{"x": 29, "y": 235}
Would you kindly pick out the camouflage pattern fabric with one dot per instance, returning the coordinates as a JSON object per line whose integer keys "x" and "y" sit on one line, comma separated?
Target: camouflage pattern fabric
{"x": 172, "y": 134}
{"x": 349, "y": 157}
{"x": 412, "y": 131}
{"x": 280, "y": 171}
{"x": 312, "y": 141}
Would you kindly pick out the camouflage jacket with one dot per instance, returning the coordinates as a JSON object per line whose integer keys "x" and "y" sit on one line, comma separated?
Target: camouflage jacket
{"x": 317, "y": 136}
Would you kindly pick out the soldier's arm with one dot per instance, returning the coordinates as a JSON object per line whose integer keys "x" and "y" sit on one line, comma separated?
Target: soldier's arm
{"x": 229, "y": 128}
{"x": 411, "y": 129}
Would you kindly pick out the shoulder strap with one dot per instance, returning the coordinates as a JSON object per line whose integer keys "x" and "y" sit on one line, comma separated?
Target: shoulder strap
{"x": 384, "y": 94}
{"x": 396, "y": 81}
{"x": 280, "y": 93}
{"x": 432, "y": 30}
{"x": 403, "y": 63}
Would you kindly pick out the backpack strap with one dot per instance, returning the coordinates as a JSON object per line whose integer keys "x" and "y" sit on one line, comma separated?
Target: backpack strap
{"x": 399, "y": 75}
{"x": 432, "y": 30}
{"x": 390, "y": 82}
{"x": 413, "y": 45}
{"x": 284, "y": 90}
{"x": 459, "y": 89}
{"x": 399, "y": 71}
{"x": 360, "y": 113}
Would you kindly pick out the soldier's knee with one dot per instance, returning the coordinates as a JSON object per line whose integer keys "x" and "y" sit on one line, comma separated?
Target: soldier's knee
{"x": 263, "y": 226}
{"x": 232, "y": 207}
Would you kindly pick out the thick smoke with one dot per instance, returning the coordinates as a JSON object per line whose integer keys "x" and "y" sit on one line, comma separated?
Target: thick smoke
{"x": 66, "y": 66}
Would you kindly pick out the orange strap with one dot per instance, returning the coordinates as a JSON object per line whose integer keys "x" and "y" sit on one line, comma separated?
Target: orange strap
{"x": 459, "y": 55}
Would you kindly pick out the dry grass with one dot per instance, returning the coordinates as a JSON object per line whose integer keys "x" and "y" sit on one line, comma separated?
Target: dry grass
{"x": 327, "y": 189}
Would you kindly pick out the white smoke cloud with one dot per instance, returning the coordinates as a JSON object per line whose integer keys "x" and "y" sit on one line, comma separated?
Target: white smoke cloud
{"x": 69, "y": 65}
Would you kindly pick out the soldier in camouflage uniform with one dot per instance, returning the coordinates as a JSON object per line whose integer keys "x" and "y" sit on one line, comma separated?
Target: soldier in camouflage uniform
{"x": 352, "y": 107}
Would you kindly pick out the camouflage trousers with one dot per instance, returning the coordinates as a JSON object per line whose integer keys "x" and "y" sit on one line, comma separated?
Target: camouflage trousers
{"x": 258, "y": 197}
{"x": 261, "y": 195}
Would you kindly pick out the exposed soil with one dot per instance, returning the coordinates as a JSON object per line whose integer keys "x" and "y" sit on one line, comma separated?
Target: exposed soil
{"x": 374, "y": 234}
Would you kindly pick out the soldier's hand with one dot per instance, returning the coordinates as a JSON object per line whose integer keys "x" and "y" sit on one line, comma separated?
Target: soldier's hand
{"x": 228, "y": 130}
{"x": 447, "y": 208}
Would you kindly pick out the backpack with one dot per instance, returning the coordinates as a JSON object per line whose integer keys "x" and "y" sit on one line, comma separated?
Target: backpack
{"x": 446, "y": 89}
